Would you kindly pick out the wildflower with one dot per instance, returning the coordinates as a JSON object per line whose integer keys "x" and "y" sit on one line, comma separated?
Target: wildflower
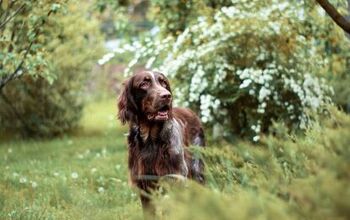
{"x": 263, "y": 93}
{"x": 93, "y": 170}
{"x": 261, "y": 110}
{"x": 23, "y": 180}
{"x": 100, "y": 189}
{"x": 245, "y": 83}
{"x": 74, "y": 175}
{"x": 256, "y": 138}
{"x": 104, "y": 152}
{"x": 34, "y": 184}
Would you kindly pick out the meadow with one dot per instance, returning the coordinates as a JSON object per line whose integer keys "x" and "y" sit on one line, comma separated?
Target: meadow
{"x": 84, "y": 175}
{"x": 78, "y": 176}
{"x": 269, "y": 80}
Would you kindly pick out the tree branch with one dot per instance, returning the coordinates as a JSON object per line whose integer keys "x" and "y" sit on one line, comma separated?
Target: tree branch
{"x": 335, "y": 15}
{"x": 11, "y": 16}
{"x": 17, "y": 73}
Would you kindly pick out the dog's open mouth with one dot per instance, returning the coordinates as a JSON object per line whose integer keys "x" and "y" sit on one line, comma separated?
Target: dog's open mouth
{"x": 161, "y": 115}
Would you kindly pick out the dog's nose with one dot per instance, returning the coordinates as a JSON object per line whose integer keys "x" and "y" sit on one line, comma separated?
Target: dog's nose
{"x": 165, "y": 95}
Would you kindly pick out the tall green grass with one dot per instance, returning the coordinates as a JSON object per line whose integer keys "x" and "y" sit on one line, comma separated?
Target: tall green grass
{"x": 285, "y": 177}
{"x": 81, "y": 176}
{"x": 84, "y": 176}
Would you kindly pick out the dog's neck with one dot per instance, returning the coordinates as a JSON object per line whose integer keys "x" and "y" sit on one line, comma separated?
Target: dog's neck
{"x": 154, "y": 131}
{"x": 149, "y": 131}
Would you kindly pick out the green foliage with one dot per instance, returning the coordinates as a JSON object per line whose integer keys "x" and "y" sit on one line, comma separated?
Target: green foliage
{"x": 332, "y": 42}
{"x": 248, "y": 64}
{"x": 283, "y": 178}
{"x": 22, "y": 27}
{"x": 122, "y": 19}
{"x": 85, "y": 176}
{"x": 338, "y": 51}
{"x": 39, "y": 107}
{"x": 173, "y": 17}
{"x": 82, "y": 176}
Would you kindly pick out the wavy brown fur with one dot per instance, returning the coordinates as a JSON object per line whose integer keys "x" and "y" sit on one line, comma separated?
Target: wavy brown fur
{"x": 158, "y": 133}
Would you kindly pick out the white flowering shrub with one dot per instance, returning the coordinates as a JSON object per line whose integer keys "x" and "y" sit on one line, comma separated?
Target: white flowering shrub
{"x": 249, "y": 64}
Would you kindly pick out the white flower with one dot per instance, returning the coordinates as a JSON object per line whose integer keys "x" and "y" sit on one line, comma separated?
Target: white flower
{"x": 93, "y": 170}
{"x": 34, "y": 184}
{"x": 56, "y": 174}
{"x": 100, "y": 189}
{"x": 245, "y": 83}
{"x": 263, "y": 93}
{"x": 104, "y": 152}
{"x": 204, "y": 119}
{"x": 261, "y": 110}
{"x": 23, "y": 180}
{"x": 74, "y": 175}
{"x": 256, "y": 138}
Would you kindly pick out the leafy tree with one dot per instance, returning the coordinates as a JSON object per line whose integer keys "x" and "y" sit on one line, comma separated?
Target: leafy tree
{"x": 122, "y": 19}
{"x": 39, "y": 106}
{"x": 246, "y": 63}
{"x": 22, "y": 25}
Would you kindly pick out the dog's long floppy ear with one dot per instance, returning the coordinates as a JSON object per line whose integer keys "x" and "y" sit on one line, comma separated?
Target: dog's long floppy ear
{"x": 126, "y": 103}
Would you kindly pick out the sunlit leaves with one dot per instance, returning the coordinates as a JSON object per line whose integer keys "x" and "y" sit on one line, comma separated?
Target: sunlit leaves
{"x": 22, "y": 23}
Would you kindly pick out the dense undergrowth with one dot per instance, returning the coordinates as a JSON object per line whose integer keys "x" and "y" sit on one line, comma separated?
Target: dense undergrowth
{"x": 286, "y": 177}
{"x": 84, "y": 176}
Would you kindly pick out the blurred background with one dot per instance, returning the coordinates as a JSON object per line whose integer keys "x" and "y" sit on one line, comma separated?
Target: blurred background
{"x": 269, "y": 80}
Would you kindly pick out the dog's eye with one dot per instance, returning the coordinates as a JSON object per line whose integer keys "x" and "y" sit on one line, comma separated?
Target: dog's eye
{"x": 145, "y": 84}
{"x": 162, "y": 82}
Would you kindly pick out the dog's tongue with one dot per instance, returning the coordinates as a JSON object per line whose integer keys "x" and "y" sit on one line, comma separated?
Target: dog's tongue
{"x": 165, "y": 113}
{"x": 162, "y": 115}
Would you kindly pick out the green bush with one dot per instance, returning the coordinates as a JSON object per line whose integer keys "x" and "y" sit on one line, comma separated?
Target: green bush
{"x": 173, "y": 17}
{"x": 283, "y": 178}
{"x": 22, "y": 28}
{"x": 35, "y": 107}
{"x": 246, "y": 65}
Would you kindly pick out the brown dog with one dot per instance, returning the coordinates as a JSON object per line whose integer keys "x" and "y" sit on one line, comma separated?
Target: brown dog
{"x": 158, "y": 133}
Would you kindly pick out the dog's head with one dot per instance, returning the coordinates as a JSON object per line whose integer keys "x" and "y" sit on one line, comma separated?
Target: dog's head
{"x": 146, "y": 96}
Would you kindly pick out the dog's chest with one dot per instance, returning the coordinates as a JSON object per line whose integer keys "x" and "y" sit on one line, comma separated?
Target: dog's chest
{"x": 159, "y": 154}
{"x": 162, "y": 158}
